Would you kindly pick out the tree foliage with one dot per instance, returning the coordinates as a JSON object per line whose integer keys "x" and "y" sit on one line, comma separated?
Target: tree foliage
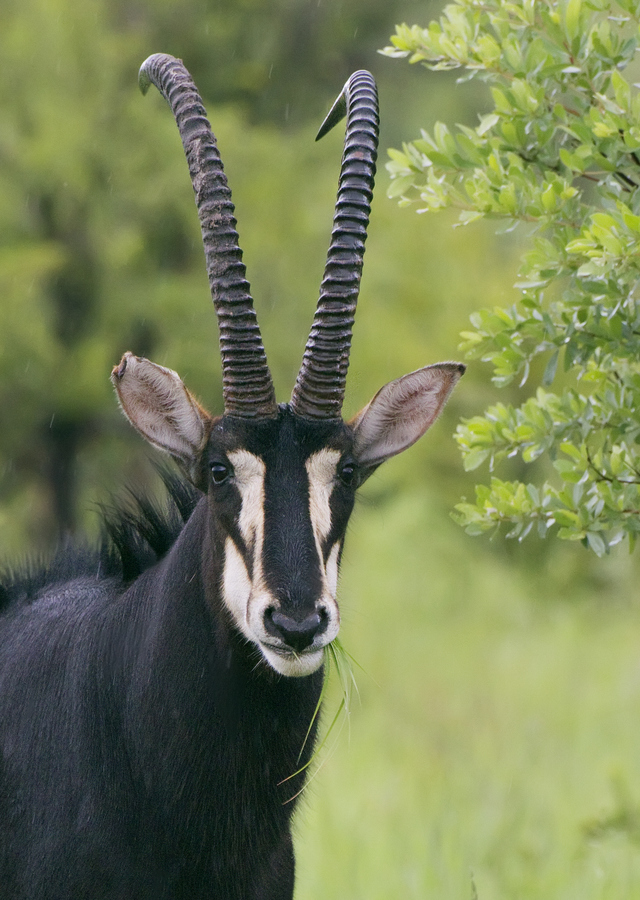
{"x": 557, "y": 153}
{"x": 88, "y": 240}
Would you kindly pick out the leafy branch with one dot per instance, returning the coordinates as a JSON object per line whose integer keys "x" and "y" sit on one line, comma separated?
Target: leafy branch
{"x": 559, "y": 153}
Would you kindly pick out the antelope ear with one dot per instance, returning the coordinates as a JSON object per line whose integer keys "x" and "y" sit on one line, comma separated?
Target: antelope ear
{"x": 159, "y": 406}
{"x": 402, "y": 411}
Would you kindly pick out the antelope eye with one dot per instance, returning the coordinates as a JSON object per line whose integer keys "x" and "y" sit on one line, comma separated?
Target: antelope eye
{"x": 347, "y": 474}
{"x": 219, "y": 472}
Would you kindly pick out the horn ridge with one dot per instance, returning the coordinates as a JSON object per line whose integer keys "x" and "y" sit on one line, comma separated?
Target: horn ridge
{"x": 246, "y": 380}
{"x": 320, "y": 386}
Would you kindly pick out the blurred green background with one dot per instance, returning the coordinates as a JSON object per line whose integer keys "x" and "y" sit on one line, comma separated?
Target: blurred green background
{"x": 495, "y": 748}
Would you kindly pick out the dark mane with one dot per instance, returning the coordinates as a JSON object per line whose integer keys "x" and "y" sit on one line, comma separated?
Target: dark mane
{"x": 136, "y": 534}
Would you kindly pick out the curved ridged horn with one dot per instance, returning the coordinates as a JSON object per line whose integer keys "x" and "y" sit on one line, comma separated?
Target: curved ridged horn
{"x": 247, "y": 386}
{"x": 319, "y": 388}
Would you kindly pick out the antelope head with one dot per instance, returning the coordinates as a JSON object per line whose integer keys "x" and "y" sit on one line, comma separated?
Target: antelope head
{"x": 280, "y": 478}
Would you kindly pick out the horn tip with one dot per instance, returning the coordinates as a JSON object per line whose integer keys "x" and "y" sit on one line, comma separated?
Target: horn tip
{"x": 337, "y": 112}
{"x": 145, "y": 79}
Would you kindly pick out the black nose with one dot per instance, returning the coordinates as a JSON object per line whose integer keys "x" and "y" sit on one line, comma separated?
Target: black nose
{"x": 296, "y": 633}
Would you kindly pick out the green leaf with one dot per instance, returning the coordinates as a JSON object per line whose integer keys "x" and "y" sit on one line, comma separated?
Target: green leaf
{"x": 399, "y": 186}
{"x": 596, "y": 543}
{"x": 475, "y": 458}
{"x": 573, "y": 18}
{"x": 550, "y": 369}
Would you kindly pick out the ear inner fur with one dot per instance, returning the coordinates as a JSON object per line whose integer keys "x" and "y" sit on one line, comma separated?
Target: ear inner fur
{"x": 402, "y": 411}
{"x": 156, "y": 402}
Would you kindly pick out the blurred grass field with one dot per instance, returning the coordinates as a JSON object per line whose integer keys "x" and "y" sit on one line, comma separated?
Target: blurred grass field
{"x": 494, "y": 749}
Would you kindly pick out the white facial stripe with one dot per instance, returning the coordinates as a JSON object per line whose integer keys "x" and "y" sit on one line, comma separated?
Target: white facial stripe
{"x": 249, "y": 479}
{"x": 238, "y": 587}
{"x": 321, "y": 471}
{"x": 332, "y": 569}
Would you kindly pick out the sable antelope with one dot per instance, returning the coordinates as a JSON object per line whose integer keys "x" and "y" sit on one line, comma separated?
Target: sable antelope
{"x": 156, "y": 692}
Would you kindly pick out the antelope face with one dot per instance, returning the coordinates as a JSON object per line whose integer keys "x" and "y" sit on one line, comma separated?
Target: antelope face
{"x": 281, "y": 493}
